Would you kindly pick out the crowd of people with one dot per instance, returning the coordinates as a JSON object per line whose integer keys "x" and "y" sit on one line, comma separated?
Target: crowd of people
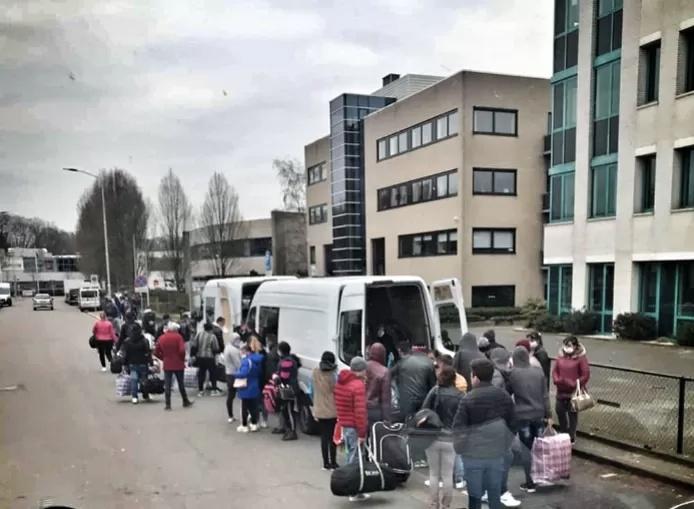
{"x": 486, "y": 405}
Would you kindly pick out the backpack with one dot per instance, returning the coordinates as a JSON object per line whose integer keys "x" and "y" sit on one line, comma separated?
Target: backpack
{"x": 270, "y": 397}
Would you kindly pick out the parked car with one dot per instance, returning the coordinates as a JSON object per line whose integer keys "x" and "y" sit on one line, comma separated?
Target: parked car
{"x": 72, "y": 296}
{"x": 5, "y": 297}
{"x": 42, "y": 301}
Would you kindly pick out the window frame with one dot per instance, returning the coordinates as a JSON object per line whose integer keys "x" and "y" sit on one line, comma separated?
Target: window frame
{"x": 494, "y": 171}
{"x": 649, "y": 73}
{"x": 428, "y": 250}
{"x": 614, "y": 12}
{"x": 685, "y": 73}
{"x": 493, "y": 250}
{"x": 612, "y": 116}
{"x": 646, "y": 168}
{"x": 481, "y": 287}
{"x": 562, "y": 34}
{"x": 685, "y": 193}
{"x": 323, "y": 214}
{"x": 566, "y": 213}
{"x": 608, "y": 168}
{"x": 493, "y": 110}
{"x": 322, "y": 176}
{"x": 433, "y": 179}
{"x": 312, "y": 255}
{"x": 432, "y": 124}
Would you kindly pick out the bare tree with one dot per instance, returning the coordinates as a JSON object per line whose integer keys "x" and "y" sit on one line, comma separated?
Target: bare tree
{"x": 221, "y": 224}
{"x": 175, "y": 213}
{"x": 293, "y": 182}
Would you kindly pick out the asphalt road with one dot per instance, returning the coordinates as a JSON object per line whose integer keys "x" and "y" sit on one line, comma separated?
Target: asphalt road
{"x": 64, "y": 436}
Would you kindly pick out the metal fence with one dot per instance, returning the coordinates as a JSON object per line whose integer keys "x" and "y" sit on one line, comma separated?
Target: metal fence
{"x": 643, "y": 409}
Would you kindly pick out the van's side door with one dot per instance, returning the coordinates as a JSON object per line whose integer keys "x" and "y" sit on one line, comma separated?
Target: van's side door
{"x": 350, "y": 322}
{"x": 449, "y": 312}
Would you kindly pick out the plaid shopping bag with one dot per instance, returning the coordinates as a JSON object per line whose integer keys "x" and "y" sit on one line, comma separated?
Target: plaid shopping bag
{"x": 551, "y": 456}
{"x": 122, "y": 385}
{"x": 190, "y": 378}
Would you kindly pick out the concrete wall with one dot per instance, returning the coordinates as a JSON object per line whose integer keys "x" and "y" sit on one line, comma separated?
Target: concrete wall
{"x": 318, "y": 235}
{"x": 289, "y": 243}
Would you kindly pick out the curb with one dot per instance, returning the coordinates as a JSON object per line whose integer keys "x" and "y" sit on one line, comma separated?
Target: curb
{"x": 635, "y": 468}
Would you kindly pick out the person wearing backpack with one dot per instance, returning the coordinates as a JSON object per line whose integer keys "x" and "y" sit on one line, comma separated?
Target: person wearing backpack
{"x": 204, "y": 349}
{"x": 288, "y": 373}
{"x": 443, "y": 399}
{"x": 248, "y": 385}
{"x": 323, "y": 382}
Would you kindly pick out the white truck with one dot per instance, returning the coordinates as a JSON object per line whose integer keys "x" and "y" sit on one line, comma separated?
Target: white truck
{"x": 5, "y": 296}
{"x": 343, "y": 315}
{"x": 89, "y": 298}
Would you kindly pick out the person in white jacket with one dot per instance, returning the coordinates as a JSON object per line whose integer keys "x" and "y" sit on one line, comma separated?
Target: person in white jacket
{"x": 232, "y": 363}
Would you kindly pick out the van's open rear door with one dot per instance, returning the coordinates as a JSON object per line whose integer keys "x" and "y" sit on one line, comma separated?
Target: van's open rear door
{"x": 350, "y": 322}
{"x": 449, "y": 312}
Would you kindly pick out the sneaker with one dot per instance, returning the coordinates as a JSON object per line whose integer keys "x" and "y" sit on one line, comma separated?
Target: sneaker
{"x": 134, "y": 400}
{"x": 334, "y": 466}
{"x": 242, "y": 429}
{"x": 231, "y": 419}
{"x": 103, "y": 370}
{"x": 359, "y": 498}
{"x": 484, "y": 498}
{"x": 253, "y": 427}
{"x": 217, "y": 392}
{"x": 188, "y": 404}
{"x": 201, "y": 394}
{"x": 460, "y": 485}
{"x": 290, "y": 435}
{"x": 528, "y": 487}
{"x": 279, "y": 431}
{"x": 508, "y": 500}
{"x": 168, "y": 407}
{"x": 263, "y": 424}
{"x": 427, "y": 483}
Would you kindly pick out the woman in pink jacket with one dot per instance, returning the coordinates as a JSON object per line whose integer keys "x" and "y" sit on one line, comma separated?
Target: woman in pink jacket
{"x": 105, "y": 336}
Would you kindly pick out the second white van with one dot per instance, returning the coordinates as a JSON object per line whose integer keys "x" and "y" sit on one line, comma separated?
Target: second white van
{"x": 344, "y": 315}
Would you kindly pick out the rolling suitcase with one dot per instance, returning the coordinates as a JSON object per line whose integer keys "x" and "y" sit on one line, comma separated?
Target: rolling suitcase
{"x": 364, "y": 476}
{"x": 389, "y": 443}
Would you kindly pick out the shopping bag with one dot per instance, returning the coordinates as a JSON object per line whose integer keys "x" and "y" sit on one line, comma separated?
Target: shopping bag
{"x": 581, "y": 400}
{"x": 116, "y": 365}
{"x": 551, "y": 456}
{"x": 122, "y": 385}
{"x": 152, "y": 385}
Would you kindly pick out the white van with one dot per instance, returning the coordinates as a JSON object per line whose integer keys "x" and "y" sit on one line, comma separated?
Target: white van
{"x": 5, "y": 297}
{"x": 231, "y": 298}
{"x": 89, "y": 298}
{"x": 343, "y": 315}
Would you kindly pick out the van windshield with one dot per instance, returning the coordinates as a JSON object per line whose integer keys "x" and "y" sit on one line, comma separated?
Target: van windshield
{"x": 88, "y": 294}
{"x": 395, "y": 313}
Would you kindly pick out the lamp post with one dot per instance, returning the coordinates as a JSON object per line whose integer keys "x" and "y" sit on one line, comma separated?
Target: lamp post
{"x": 103, "y": 212}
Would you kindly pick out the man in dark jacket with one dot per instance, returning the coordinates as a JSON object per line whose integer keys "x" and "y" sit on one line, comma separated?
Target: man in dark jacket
{"x": 414, "y": 376}
{"x": 484, "y": 429}
{"x": 377, "y": 385}
{"x": 491, "y": 337}
{"x": 162, "y": 326}
{"x": 468, "y": 352}
{"x": 136, "y": 354}
{"x": 219, "y": 332}
{"x": 527, "y": 386}
{"x": 538, "y": 350}
{"x": 126, "y": 329}
{"x": 288, "y": 373}
{"x": 171, "y": 349}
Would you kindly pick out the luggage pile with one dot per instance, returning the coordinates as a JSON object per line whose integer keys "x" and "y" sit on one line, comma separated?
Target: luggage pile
{"x": 389, "y": 443}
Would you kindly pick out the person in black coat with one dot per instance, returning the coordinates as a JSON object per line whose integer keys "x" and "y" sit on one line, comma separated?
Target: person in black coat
{"x": 137, "y": 356}
{"x": 538, "y": 350}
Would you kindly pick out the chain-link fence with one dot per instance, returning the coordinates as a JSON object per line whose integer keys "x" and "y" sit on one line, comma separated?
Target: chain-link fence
{"x": 642, "y": 409}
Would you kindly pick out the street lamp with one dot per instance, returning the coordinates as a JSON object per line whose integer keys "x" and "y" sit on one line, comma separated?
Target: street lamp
{"x": 103, "y": 212}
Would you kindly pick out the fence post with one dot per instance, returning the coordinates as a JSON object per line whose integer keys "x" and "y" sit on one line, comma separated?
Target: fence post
{"x": 680, "y": 417}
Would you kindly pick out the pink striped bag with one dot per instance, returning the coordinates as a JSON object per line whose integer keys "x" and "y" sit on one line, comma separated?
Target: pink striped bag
{"x": 551, "y": 456}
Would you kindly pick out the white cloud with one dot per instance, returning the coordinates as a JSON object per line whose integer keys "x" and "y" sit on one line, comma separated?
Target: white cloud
{"x": 340, "y": 53}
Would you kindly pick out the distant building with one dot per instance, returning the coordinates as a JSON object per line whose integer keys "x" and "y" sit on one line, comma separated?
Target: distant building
{"x": 37, "y": 270}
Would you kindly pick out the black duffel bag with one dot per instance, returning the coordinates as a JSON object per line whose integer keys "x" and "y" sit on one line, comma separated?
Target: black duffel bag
{"x": 152, "y": 385}
{"x": 365, "y": 476}
{"x": 116, "y": 365}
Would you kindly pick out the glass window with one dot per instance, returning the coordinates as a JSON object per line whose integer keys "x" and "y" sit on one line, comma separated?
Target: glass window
{"x": 504, "y": 122}
{"x": 428, "y": 244}
{"x": 402, "y": 142}
{"x": 482, "y": 181}
{"x": 453, "y": 123}
{"x": 685, "y": 304}
{"x": 441, "y": 186}
{"x": 558, "y": 105}
{"x": 417, "y": 245}
{"x": 570, "y": 102}
{"x": 687, "y": 63}
{"x": 382, "y": 149}
{"x": 427, "y": 189}
{"x": 350, "y": 335}
{"x": 609, "y": 26}
{"x": 481, "y": 239}
{"x": 416, "y": 191}
{"x": 493, "y": 296}
{"x": 646, "y": 179}
{"x": 416, "y": 136}
{"x": 403, "y": 195}
{"x": 483, "y": 121}
{"x": 426, "y": 133}
{"x": 604, "y": 180}
{"x": 603, "y": 89}
{"x": 559, "y": 289}
{"x": 312, "y": 255}
{"x": 383, "y": 199}
{"x": 268, "y": 319}
{"x": 452, "y": 241}
{"x": 442, "y": 243}
{"x": 649, "y": 72}
{"x": 441, "y": 127}
{"x": 393, "y": 145}
{"x": 561, "y": 197}
{"x": 503, "y": 240}
{"x": 453, "y": 183}
{"x": 686, "y": 194}
{"x": 505, "y": 182}
{"x": 393, "y": 196}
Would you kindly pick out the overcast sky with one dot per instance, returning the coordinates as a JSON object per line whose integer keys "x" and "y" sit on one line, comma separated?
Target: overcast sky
{"x": 224, "y": 85}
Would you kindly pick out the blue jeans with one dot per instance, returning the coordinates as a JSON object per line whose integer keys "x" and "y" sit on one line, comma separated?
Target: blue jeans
{"x": 137, "y": 372}
{"x": 351, "y": 443}
{"x": 484, "y": 475}
{"x": 528, "y": 431}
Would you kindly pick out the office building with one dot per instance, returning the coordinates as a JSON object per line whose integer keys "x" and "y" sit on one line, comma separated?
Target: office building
{"x": 452, "y": 182}
{"x": 620, "y": 235}
{"x": 35, "y": 270}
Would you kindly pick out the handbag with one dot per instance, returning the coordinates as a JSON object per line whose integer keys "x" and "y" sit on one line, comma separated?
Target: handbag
{"x": 240, "y": 383}
{"x": 581, "y": 400}
{"x": 287, "y": 393}
{"x": 92, "y": 341}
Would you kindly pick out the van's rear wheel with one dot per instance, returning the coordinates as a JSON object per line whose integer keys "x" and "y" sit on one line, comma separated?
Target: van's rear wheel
{"x": 307, "y": 423}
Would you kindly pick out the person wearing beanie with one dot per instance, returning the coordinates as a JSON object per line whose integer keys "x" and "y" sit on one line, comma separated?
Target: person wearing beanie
{"x": 350, "y": 404}
{"x": 491, "y": 337}
{"x": 483, "y": 345}
{"x": 525, "y": 343}
{"x": 377, "y": 385}
{"x": 323, "y": 386}
{"x": 468, "y": 352}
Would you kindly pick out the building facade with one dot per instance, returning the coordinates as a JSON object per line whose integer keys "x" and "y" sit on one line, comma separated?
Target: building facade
{"x": 32, "y": 270}
{"x": 620, "y": 235}
{"x": 452, "y": 183}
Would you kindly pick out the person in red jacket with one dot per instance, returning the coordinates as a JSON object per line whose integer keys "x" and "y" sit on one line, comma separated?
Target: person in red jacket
{"x": 105, "y": 337}
{"x": 171, "y": 349}
{"x": 571, "y": 366}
